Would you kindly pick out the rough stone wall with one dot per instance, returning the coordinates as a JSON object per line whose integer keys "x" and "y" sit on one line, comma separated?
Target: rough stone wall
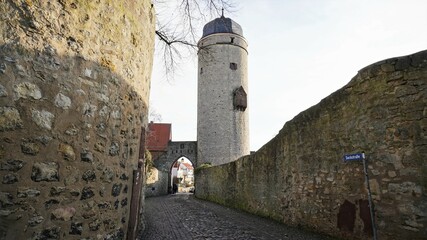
{"x": 158, "y": 178}
{"x": 157, "y": 183}
{"x": 299, "y": 177}
{"x": 74, "y": 88}
{"x": 222, "y": 69}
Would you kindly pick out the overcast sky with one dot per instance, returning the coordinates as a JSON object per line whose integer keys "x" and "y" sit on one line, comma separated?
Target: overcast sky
{"x": 300, "y": 51}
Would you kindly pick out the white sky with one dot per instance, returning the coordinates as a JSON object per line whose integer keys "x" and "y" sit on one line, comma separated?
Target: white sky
{"x": 300, "y": 51}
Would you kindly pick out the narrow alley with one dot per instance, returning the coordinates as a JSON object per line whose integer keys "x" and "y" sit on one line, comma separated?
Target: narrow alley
{"x": 182, "y": 216}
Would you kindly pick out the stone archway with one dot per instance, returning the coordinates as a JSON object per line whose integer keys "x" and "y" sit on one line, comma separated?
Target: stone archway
{"x": 181, "y": 173}
{"x": 163, "y": 164}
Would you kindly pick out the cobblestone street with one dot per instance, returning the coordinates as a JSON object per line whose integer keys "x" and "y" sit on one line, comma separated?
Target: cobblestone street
{"x": 182, "y": 216}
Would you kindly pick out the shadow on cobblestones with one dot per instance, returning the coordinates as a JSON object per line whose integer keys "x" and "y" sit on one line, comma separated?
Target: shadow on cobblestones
{"x": 182, "y": 216}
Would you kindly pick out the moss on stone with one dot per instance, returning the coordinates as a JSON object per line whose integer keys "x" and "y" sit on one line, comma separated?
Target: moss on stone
{"x": 202, "y": 166}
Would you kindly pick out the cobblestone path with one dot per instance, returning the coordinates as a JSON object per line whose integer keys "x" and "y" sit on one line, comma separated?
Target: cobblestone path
{"x": 182, "y": 216}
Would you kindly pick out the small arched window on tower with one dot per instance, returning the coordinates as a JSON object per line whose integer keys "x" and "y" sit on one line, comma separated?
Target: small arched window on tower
{"x": 240, "y": 97}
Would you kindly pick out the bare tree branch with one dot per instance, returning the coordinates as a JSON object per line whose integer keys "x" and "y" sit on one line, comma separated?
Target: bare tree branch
{"x": 177, "y": 33}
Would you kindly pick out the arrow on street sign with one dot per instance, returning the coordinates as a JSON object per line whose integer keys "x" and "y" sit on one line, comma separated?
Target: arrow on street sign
{"x": 354, "y": 157}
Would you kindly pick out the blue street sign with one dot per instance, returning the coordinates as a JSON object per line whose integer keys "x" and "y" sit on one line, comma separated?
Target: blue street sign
{"x": 354, "y": 157}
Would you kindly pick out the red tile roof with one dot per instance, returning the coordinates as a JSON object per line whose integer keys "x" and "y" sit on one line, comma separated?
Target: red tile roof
{"x": 158, "y": 136}
{"x": 189, "y": 166}
{"x": 177, "y": 164}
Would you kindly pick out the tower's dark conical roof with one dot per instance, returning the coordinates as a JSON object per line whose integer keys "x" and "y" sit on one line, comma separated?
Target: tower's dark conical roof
{"x": 222, "y": 25}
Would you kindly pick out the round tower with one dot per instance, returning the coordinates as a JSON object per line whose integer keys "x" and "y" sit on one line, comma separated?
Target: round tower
{"x": 222, "y": 113}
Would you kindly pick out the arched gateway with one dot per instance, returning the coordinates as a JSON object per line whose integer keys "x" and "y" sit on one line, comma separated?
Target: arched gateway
{"x": 165, "y": 153}
{"x": 222, "y": 109}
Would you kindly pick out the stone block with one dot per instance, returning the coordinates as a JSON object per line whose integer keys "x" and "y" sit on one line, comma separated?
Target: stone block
{"x": 404, "y": 90}
{"x": 30, "y": 148}
{"x": 11, "y": 165}
{"x": 116, "y": 189}
{"x": 43, "y": 119}
{"x": 375, "y": 189}
{"x": 89, "y": 214}
{"x": 89, "y": 73}
{"x": 10, "y": 178}
{"x": 27, "y": 90}
{"x": 124, "y": 177}
{"x": 89, "y": 110}
{"x": 124, "y": 202}
{"x": 117, "y": 234}
{"x": 109, "y": 224}
{"x": 104, "y": 111}
{"x": 62, "y": 101}
{"x": 21, "y": 70}
{"x": 114, "y": 149}
{"x": 48, "y": 172}
{"x": 67, "y": 151}
{"x": 5, "y": 213}
{"x": 102, "y": 191}
{"x": 6, "y": 199}
{"x": 405, "y": 188}
{"x": 391, "y": 174}
{"x": 386, "y": 67}
{"x": 27, "y": 192}
{"x": 102, "y": 97}
{"x": 43, "y": 139}
{"x": 76, "y": 228}
{"x": 87, "y": 193}
{"x": 3, "y": 91}
{"x": 100, "y": 128}
{"x": 99, "y": 147}
{"x": 94, "y": 225}
{"x": 72, "y": 131}
{"x": 72, "y": 178}
{"x": 74, "y": 192}
{"x": 402, "y": 64}
{"x": 9, "y": 119}
{"x": 34, "y": 221}
{"x": 48, "y": 204}
{"x": 107, "y": 175}
{"x": 86, "y": 156}
{"x": 63, "y": 214}
{"x": 56, "y": 191}
{"x": 419, "y": 58}
{"x": 3, "y": 67}
{"x": 51, "y": 233}
{"x": 115, "y": 114}
{"x": 104, "y": 205}
{"x": 89, "y": 176}
{"x": 413, "y": 223}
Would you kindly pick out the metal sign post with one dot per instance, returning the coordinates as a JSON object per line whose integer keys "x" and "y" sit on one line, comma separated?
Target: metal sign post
{"x": 361, "y": 156}
{"x": 371, "y": 204}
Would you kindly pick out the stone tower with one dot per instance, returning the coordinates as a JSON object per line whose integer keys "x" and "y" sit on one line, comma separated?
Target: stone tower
{"x": 222, "y": 114}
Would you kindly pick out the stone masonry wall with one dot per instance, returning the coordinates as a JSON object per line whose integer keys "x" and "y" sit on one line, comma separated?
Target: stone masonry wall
{"x": 74, "y": 89}
{"x": 299, "y": 177}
